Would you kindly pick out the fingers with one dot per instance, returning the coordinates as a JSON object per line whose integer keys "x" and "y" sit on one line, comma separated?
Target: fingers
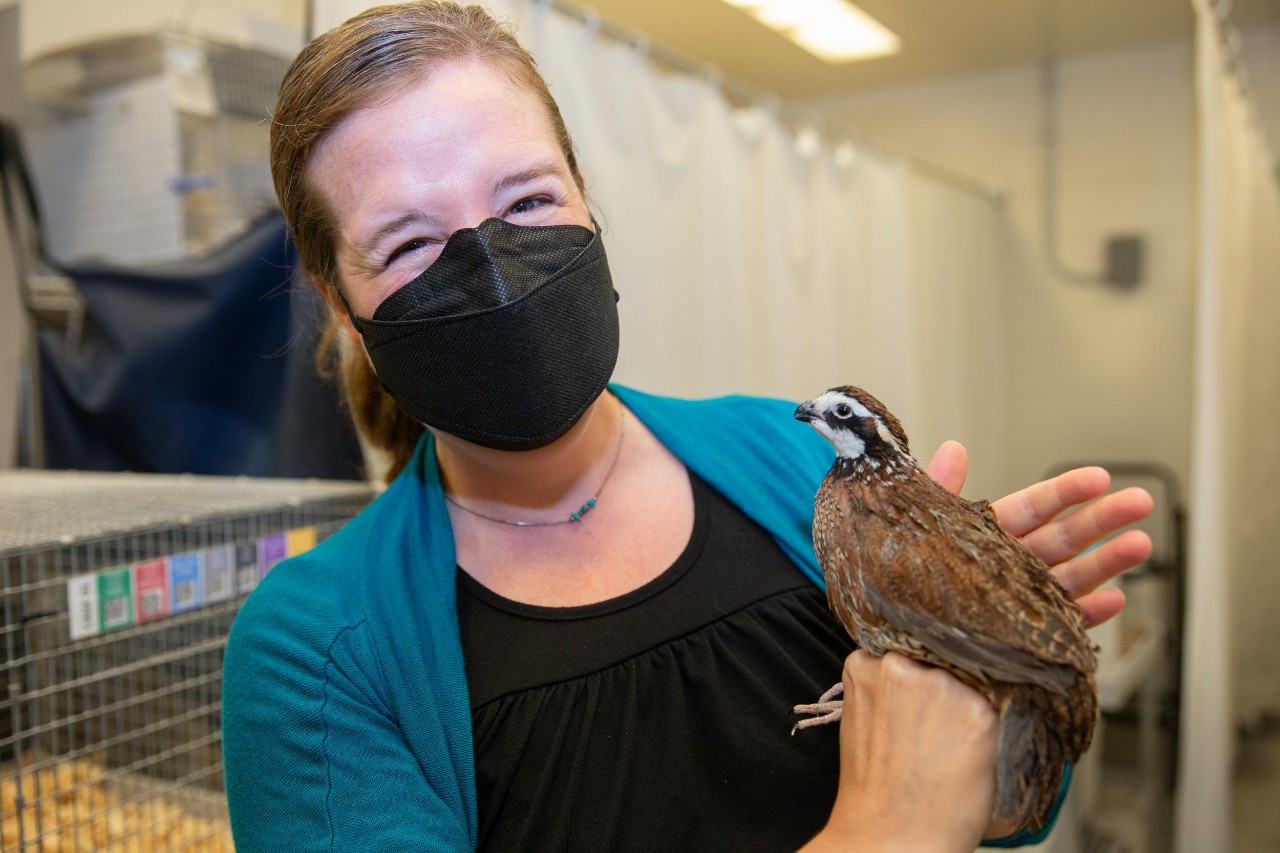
{"x": 1032, "y": 515}
{"x": 949, "y": 466}
{"x": 1062, "y": 539}
{"x": 1087, "y": 572}
{"x": 1098, "y": 607}
{"x": 1030, "y": 508}
{"x": 1082, "y": 576}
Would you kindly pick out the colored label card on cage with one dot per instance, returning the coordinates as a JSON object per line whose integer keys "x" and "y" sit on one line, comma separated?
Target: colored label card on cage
{"x": 82, "y": 606}
{"x": 219, "y": 573}
{"x": 300, "y": 539}
{"x": 115, "y": 599}
{"x": 186, "y": 582}
{"x": 151, "y": 589}
{"x": 98, "y": 602}
{"x": 271, "y": 550}
{"x": 247, "y": 571}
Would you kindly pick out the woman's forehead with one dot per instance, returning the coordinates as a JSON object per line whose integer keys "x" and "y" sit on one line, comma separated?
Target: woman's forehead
{"x": 445, "y": 149}
{"x": 459, "y": 102}
{"x": 461, "y": 111}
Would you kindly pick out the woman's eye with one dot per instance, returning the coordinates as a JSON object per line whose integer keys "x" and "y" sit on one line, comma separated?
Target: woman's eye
{"x": 411, "y": 246}
{"x": 527, "y": 205}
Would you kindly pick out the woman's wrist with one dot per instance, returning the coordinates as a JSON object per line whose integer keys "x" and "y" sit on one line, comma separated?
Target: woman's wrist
{"x": 862, "y": 838}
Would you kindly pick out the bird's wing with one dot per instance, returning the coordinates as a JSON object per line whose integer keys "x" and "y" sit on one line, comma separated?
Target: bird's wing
{"x": 943, "y": 571}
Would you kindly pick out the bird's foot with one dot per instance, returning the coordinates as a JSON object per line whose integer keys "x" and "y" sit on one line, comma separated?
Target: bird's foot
{"x": 826, "y": 710}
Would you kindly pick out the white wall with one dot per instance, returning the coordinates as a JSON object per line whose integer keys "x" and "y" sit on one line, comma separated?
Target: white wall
{"x": 1094, "y": 374}
{"x": 51, "y": 25}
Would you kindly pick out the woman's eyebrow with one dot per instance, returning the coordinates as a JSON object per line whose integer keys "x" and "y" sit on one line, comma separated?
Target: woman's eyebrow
{"x": 366, "y": 247}
{"x": 533, "y": 173}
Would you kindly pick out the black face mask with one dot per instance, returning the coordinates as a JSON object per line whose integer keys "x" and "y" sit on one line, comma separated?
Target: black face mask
{"x": 506, "y": 339}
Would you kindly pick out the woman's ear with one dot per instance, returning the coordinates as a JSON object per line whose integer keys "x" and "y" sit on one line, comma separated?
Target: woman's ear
{"x": 338, "y": 306}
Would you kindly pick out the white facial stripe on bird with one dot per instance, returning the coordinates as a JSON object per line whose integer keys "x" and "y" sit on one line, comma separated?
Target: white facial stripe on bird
{"x": 847, "y": 442}
{"x": 858, "y": 409}
{"x": 888, "y": 437}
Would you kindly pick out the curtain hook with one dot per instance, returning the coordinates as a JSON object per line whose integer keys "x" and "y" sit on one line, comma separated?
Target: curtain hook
{"x": 1235, "y": 44}
{"x": 846, "y": 154}
{"x": 591, "y": 23}
{"x": 640, "y": 44}
{"x": 1233, "y": 51}
{"x": 817, "y": 120}
{"x": 713, "y": 75}
{"x": 770, "y": 102}
{"x": 808, "y": 141}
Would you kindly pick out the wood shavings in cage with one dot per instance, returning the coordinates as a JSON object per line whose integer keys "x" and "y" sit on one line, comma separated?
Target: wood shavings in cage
{"x": 77, "y": 805}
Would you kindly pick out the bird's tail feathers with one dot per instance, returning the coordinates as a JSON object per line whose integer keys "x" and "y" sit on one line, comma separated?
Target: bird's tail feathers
{"x": 1029, "y": 761}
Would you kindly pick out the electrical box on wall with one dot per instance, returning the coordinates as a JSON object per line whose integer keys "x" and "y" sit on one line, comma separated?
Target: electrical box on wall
{"x": 1124, "y": 258}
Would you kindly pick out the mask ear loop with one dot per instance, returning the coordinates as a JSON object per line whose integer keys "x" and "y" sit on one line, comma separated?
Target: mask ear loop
{"x": 355, "y": 321}
{"x": 617, "y": 297}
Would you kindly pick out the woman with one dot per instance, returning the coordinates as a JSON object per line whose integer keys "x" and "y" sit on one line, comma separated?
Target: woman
{"x": 574, "y": 619}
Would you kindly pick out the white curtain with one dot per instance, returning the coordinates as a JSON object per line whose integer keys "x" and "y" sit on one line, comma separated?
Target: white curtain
{"x": 1232, "y": 644}
{"x": 758, "y": 258}
{"x": 754, "y": 257}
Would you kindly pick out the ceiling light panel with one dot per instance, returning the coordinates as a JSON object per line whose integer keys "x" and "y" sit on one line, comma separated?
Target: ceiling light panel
{"x": 835, "y": 31}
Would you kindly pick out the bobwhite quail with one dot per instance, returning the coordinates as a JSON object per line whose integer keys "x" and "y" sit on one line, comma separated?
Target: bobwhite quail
{"x": 912, "y": 568}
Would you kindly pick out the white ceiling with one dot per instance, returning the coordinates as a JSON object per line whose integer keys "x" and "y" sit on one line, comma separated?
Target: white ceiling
{"x": 940, "y": 37}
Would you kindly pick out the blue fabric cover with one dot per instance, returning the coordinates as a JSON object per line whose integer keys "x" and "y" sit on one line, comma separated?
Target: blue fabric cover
{"x": 346, "y": 717}
{"x": 203, "y": 366}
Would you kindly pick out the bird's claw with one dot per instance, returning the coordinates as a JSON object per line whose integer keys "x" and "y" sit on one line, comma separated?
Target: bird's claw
{"x": 826, "y": 710}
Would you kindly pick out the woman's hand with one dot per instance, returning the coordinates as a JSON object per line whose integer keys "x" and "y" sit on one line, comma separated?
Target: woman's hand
{"x": 1031, "y": 515}
{"x": 917, "y": 753}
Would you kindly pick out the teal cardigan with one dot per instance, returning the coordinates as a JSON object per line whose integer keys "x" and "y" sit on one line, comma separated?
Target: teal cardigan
{"x": 346, "y": 718}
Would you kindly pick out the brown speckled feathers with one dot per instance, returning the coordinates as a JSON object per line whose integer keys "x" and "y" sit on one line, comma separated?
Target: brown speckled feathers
{"x": 915, "y": 569}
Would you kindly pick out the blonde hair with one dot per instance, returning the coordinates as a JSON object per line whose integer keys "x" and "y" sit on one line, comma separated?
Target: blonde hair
{"x": 363, "y": 61}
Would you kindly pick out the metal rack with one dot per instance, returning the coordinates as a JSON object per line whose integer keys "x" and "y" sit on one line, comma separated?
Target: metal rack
{"x": 118, "y": 593}
{"x": 1125, "y": 792}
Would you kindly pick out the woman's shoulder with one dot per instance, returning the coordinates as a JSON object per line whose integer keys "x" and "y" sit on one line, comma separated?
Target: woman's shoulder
{"x": 297, "y": 611}
{"x": 764, "y": 425}
{"x": 742, "y": 402}
{"x": 358, "y": 573}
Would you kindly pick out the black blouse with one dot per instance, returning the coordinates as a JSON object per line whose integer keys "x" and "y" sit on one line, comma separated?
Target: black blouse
{"x": 661, "y": 719}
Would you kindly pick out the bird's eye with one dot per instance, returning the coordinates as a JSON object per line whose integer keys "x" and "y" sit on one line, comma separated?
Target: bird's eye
{"x": 844, "y": 410}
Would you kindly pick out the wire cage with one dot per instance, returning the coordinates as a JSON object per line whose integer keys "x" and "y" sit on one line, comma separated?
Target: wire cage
{"x": 118, "y": 594}
{"x": 149, "y": 148}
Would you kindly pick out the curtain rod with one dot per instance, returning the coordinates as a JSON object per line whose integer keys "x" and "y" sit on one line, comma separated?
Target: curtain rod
{"x": 795, "y": 114}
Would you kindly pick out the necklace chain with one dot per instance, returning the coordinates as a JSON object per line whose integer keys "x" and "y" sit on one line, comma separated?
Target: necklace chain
{"x": 575, "y": 516}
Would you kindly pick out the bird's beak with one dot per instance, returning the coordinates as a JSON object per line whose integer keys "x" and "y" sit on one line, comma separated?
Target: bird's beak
{"x": 806, "y": 412}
